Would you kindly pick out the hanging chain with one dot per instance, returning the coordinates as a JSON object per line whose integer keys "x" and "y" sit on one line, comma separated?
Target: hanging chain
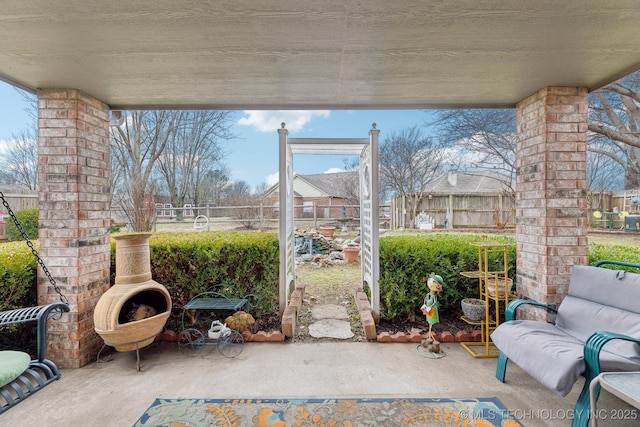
{"x": 33, "y": 249}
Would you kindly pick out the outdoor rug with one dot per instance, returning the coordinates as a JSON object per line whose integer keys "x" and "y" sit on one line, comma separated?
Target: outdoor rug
{"x": 470, "y": 412}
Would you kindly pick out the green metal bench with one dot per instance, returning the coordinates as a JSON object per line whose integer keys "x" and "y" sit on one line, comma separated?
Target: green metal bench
{"x": 41, "y": 371}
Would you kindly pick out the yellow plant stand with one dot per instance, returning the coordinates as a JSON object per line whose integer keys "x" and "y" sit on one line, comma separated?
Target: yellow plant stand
{"x": 493, "y": 288}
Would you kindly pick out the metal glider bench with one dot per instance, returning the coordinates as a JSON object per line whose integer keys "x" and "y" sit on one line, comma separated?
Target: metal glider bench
{"x": 20, "y": 376}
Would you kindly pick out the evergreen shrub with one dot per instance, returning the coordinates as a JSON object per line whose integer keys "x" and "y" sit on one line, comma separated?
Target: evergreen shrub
{"x": 17, "y": 276}
{"x": 405, "y": 262}
{"x": 190, "y": 263}
{"x": 28, "y": 218}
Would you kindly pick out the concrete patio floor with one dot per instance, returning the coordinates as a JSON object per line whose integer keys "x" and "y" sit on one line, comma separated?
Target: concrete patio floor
{"x": 114, "y": 394}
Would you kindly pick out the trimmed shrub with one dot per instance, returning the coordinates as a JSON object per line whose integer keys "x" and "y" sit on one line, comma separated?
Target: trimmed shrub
{"x": 600, "y": 252}
{"x": 17, "y": 276}
{"x": 191, "y": 263}
{"x": 405, "y": 262}
{"x": 28, "y": 218}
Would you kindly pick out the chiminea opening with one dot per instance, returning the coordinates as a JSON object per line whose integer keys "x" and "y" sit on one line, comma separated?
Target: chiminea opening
{"x": 142, "y": 305}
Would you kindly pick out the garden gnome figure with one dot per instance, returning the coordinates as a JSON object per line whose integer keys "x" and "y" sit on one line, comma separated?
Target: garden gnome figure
{"x": 430, "y": 310}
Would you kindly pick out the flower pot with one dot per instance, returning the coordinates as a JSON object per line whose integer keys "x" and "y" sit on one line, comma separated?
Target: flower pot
{"x": 351, "y": 254}
{"x": 327, "y": 230}
{"x": 491, "y": 287}
{"x": 474, "y": 309}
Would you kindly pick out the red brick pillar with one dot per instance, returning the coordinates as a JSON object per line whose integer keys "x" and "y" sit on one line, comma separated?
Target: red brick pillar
{"x": 73, "y": 176}
{"x": 551, "y": 204}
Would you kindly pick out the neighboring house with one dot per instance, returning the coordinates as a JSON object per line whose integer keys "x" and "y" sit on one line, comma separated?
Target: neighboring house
{"x": 327, "y": 192}
{"x": 469, "y": 183}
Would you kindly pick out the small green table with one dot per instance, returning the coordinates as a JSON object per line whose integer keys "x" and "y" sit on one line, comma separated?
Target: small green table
{"x": 623, "y": 385}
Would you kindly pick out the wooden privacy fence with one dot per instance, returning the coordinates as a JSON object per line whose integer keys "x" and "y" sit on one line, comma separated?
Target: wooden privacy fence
{"x": 17, "y": 202}
{"x": 486, "y": 210}
{"x": 493, "y": 210}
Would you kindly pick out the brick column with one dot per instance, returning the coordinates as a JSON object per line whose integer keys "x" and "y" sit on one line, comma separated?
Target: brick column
{"x": 551, "y": 204}
{"x": 73, "y": 176}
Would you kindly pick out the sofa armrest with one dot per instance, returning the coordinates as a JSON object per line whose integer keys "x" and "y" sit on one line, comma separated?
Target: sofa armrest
{"x": 510, "y": 311}
{"x": 594, "y": 345}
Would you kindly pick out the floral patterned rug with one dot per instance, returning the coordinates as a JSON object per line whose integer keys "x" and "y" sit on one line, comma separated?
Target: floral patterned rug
{"x": 469, "y": 412}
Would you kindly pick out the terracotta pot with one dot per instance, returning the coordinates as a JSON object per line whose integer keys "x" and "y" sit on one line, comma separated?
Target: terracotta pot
{"x": 351, "y": 254}
{"x": 327, "y": 230}
{"x": 491, "y": 287}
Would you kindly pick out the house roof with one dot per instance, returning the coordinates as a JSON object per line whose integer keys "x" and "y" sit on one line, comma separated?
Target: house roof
{"x": 328, "y": 184}
{"x": 468, "y": 183}
{"x": 332, "y": 184}
{"x": 243, "y": 54}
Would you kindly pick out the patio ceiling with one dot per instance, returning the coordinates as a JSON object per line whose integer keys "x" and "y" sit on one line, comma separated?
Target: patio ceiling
{"x": 310, "y": 54}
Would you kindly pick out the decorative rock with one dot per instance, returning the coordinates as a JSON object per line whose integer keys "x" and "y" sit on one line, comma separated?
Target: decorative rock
{"x": 331, "y": 328}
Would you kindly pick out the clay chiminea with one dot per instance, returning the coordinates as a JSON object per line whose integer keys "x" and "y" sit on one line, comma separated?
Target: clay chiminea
{"x": 135, "y": 309}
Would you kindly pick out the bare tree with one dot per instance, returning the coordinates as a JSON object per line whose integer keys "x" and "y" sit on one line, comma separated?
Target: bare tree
{"x": 19, "y": 163}
{"x": 614, "y": 124}
{"x": 136, "y": 147}
{"x": 193, "y": 148}
{"x": 409, "y": 161}
{"x": 483, "y": 139}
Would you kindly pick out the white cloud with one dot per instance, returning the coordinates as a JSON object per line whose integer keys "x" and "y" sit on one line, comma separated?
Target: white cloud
{"x": 4, "y": 145}
{"x": 272, "y": 179}
{"x": 270, "y": 121}
{"x": 334, "y": 170}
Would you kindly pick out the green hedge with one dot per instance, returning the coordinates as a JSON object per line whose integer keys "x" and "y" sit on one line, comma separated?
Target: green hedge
{"x": 17, "y": 276}
{"x": 406, "y": 260}
{"x": 190, "y": 263}
{"x": 28, "y": 218}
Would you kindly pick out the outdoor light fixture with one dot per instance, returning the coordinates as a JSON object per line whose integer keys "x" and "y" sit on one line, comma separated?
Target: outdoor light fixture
{"x": 117, "y": 119}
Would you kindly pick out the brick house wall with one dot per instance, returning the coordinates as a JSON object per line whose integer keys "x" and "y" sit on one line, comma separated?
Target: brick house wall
{"x": 326, "y": 207}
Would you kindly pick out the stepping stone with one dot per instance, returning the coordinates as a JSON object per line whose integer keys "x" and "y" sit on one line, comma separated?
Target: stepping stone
{"x": 331, "y": 328}
{"x": 329, "y": 311}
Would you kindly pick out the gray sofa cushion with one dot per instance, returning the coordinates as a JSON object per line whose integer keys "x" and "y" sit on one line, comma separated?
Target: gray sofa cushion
{"x": 546, "y": 353}
{"x": 581, "y": 318}
{"x": 608, "y": 287}
{"x": 551, "y": 356}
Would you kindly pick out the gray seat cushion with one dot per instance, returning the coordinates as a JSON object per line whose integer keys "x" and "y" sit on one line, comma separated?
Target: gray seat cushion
{"x": 581, "y": 318}
{"x": 549, "y": 355}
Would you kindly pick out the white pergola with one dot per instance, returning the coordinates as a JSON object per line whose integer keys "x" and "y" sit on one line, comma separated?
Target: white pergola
{"x": 367, "y": 150}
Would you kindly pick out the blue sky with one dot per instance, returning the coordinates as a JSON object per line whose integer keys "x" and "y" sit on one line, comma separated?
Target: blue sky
{"x": 253, "y": 157}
